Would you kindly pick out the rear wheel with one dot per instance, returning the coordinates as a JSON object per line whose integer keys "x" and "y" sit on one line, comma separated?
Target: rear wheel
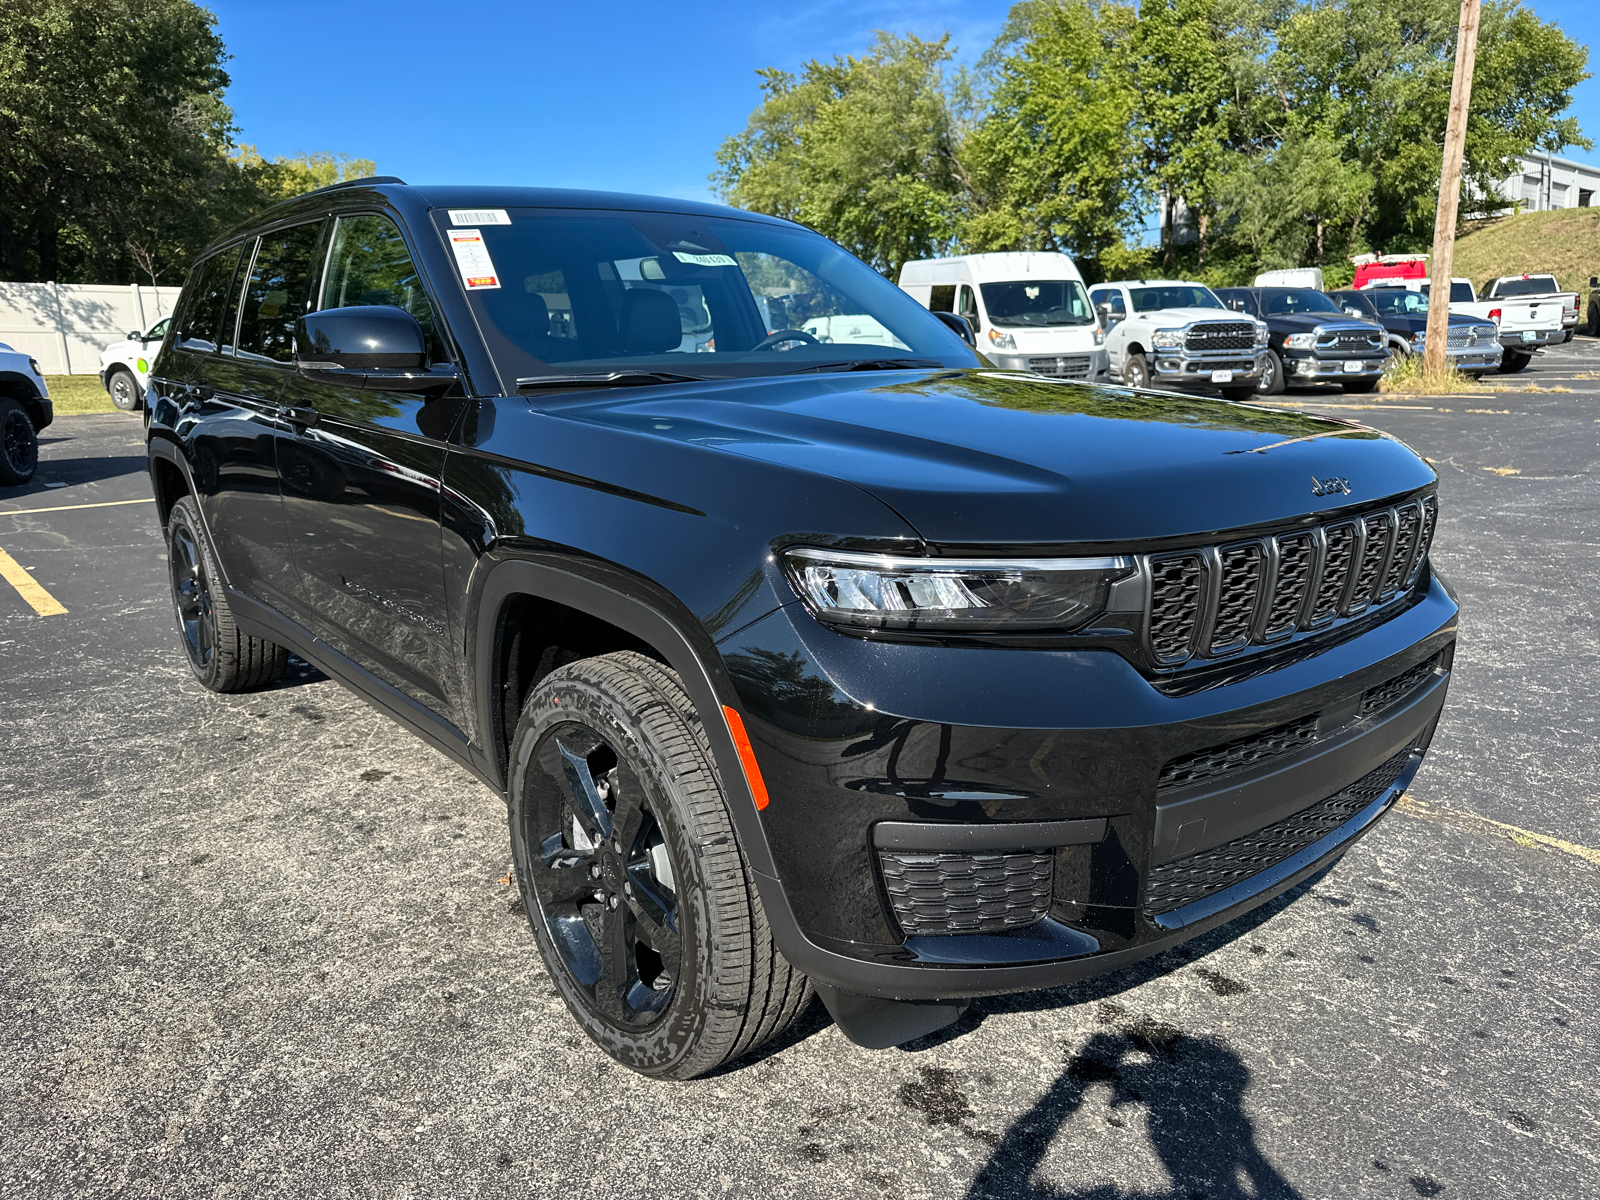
{"x": 124, "y": 390}
{"x": 1135, "y": 371}
{"x": 221, "y": 657}
{"x": 1513, "y": 361}
{"x": 19, "y": 444}
{"x": 642, "y": 904}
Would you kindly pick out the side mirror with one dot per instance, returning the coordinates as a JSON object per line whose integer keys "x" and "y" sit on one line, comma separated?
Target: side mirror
{"x": 1106, "y": 319}
{"x": 359, "y": 338}
{"x": 1594, "y": 281}
{"x": 959, "y": 327}
{"x": 135, "y": 336}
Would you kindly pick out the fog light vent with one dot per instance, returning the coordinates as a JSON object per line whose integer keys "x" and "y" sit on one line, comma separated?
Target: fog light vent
{"x": 967, "y": 893}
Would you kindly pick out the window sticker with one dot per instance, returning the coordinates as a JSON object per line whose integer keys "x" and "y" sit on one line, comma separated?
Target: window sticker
{"x": 705, "y": 260}
{"x": 479, "y": 216}
{"x": 472, "y": 259}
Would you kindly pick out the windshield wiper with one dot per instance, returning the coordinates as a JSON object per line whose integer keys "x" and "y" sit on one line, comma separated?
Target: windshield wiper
{"x": 870, "y": 364}
{"x": 534, "y": 383}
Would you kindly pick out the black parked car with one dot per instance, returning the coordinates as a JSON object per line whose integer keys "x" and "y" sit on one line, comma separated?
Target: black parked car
{"x": 847, "y": 667}
{"x": 1472, "y": 345}
{"x": 1312, "y": 339}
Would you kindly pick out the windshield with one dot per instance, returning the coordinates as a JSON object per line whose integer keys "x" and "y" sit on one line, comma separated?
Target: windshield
{"x": 1398, "y": 302}
{"x": 563, "y": 292}
{"x": 1037, "y": 302}
{"x": 1173, "y": 295}
{"x": 1534, "y": 285}
{"x": 1277, "y": 302}
{"x": 157, "y": 331}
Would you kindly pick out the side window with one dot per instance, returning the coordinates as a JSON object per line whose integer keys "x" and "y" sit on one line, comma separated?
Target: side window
{"x": 278, "y": 292}
{"x": 369, "y": 264}
{"x": 1111, "y": 297}
{"x": 200, "y": 318}
{"x": 943, "y": 298}
{"x": 967, "y": 305}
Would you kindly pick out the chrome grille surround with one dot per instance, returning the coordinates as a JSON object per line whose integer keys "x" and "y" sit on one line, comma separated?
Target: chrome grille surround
{"x": 1210, "y": 602}
{"x": 1220, "y": 335}
{"x": 1348, "y": 339}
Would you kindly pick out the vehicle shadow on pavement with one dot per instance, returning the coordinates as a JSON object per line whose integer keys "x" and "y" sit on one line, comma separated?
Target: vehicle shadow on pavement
{"x": 90, "y": 468}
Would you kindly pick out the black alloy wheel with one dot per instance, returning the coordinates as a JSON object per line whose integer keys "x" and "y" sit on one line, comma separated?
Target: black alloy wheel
{"x": 603, "y": 876}
{"x": 222, "y": 657}
{"x": 124, "y": 390}
{"x": 640, "y": 899}
{"x": 19, "y": 444}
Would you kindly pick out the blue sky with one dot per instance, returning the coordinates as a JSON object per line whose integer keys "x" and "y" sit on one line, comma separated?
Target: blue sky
{"x": 606, "y": 94}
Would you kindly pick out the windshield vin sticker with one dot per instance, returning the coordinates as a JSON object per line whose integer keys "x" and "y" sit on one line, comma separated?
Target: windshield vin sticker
{"x": 479, "y": 216}
{"x": 472, "y": 259}
{"x": 705, "y": 260}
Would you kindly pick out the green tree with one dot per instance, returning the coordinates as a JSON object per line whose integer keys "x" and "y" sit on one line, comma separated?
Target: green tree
{"x": 288, "y": 176}
{"x": 866, "y": 150}
{"x": 1053, "y": 161}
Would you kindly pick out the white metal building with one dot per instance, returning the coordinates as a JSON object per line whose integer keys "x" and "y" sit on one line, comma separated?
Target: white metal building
{"x": 1548, "y": 181}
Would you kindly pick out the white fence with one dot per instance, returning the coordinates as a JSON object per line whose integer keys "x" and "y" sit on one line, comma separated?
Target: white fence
{"x": 66, "y": 325}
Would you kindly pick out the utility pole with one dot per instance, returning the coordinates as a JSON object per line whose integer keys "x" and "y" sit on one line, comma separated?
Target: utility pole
{"x": 1444, "y": 224}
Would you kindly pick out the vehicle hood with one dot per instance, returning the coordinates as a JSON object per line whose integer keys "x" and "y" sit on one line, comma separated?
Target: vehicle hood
{"x": 1185, "y": 315}
{"x": 1306, "y": 322}
{"x": 971, "y": 457}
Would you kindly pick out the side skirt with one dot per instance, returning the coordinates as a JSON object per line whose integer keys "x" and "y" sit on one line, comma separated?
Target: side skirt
{"x": 263, "y": 621}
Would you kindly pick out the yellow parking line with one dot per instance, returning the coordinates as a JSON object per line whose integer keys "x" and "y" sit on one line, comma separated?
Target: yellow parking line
{"x": 22, "y": 512}
{"x": 43, "y": 602}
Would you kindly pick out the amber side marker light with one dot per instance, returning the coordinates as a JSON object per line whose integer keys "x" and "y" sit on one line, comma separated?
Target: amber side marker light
{"x": 747, "y": 757}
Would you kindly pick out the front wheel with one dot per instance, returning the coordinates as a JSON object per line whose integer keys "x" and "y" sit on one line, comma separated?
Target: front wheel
{"x": 222, "y": 658}
{"x": 1135, "y": 371}
{"x": 19, "y": 444}
{"x": 643, "y": 907}
{"x": 124, "y": 390}
{"x": 1271, "y": 381}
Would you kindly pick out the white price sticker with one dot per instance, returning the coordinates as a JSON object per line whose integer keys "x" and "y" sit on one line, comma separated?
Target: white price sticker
{"x": 472, "y": 259}
{"x": 705, "y": 260}
{"x": 479, "y": 216}
{"x": 1222, "y": 377}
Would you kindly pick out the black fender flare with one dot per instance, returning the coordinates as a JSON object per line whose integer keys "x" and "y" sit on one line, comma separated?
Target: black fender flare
{"x": 649, "y": 613}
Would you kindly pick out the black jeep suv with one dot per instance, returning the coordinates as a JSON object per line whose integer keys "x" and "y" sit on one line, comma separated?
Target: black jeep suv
{"x": 848, "y": 666}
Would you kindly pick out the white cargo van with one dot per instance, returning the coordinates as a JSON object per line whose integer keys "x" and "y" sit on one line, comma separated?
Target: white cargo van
{"x": 1029, "y": 311}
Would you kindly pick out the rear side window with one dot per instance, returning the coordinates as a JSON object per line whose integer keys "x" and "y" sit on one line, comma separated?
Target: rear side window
{"x": 200, "y": 319}
{"x": 369, "y": 264}
{"x": 278, "y": 292}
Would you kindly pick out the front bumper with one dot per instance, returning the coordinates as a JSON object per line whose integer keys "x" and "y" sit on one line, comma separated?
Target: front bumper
{"x": 1089, "y": 365}
{"x": 1305, "y": 364}
{"x": 1181, "y": 368}
{"x": 861, "y": 737}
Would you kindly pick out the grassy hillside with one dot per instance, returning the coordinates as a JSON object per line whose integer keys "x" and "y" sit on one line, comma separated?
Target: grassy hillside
{"x": 1565, "y": 242}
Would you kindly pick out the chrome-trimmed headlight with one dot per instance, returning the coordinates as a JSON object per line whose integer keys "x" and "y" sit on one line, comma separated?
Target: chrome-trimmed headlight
{"x": 1167, "y": 339}
{"x": 1263, "y": 334}
{"x": 955, "y": 595}
{"x": 1001, "y": 340}
{"x": 1300, "y": 341}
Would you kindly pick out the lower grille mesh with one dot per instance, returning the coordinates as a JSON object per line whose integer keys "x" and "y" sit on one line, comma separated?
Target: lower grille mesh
{"x": 967, "y": 893}
{"x": 1186, "y": 880}
{"x": 1239, "y": 754}
{"x": 1402, "y": 685}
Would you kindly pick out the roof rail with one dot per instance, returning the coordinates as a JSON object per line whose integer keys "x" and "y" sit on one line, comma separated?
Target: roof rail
{"x": 364, "y": 181}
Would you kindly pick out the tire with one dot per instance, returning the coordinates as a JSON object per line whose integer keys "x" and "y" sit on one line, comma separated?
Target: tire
{"x": 1360, "y": 386}
{"x": 660, "y": 949}
{"x": 222, "y": 658}
{"x": 1135, "y": 371}
{"x": 1513, "y": 361}
{"x": 1271, "y": 381}
{"x": 124, "y": 390}
{"x": 19, "y": 444}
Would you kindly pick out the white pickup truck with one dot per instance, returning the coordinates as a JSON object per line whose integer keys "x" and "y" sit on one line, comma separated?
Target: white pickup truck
{"x": 1175, "y": 333}
{"x": 1542, "y": 288}
{"x": 1525, "y": 325}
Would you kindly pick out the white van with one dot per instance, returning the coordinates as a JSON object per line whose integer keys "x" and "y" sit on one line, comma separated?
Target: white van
{"x": 1029, "y": 311}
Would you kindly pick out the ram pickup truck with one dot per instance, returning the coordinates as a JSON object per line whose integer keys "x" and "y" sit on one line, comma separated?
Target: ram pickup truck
{"x": 1176, "y": 334}
{"x": 1525, "y": 326}
{"x": 1541, "y": 288}
{"x": 1312, "y": 339}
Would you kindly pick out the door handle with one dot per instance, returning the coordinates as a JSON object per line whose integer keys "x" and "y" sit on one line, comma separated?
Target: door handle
{"x": 302, "y": 415}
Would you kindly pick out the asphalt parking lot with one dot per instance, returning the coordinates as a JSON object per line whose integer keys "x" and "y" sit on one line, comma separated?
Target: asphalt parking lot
{"x": 265, "y": 944}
